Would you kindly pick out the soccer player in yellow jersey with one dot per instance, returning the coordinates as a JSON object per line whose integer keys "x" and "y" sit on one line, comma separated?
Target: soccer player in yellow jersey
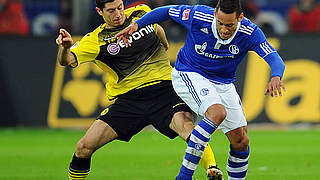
{"x": 139, "y": 80}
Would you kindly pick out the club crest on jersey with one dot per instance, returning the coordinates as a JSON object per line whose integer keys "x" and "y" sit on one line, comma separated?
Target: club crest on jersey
{"x": 234, "y": 49}
{"x": 113, "y": 48}
{"x": 204, "y": 91}
{"x": 185, "y": 14}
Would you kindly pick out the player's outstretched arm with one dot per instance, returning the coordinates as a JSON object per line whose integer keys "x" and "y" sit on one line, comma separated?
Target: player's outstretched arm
{"x": 274, "y": 87}
{"x": 64, "y": 41}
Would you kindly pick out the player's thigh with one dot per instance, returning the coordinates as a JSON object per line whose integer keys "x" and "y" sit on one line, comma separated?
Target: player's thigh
{"x": 98, "y": 135}
{"x": 182, "y": 123}
{"x": 197, "y": 91}
{"x": 127, "y": 116}
{"x": 170, "y": 115}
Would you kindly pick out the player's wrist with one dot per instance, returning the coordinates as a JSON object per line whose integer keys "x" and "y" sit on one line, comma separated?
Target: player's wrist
{"x": 135, "y": 25}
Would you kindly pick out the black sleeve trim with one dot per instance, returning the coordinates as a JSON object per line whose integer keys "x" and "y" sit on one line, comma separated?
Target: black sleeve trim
{"x": 75, "y": 57}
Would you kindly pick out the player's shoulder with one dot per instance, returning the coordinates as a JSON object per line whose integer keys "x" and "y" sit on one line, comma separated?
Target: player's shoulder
{"x": 204, "y": 9}
{"x": 139, "y": 8}
{"x": 203, "y": 13}
{"x": 247, "y": 27}
{"x": 93, "y": 35}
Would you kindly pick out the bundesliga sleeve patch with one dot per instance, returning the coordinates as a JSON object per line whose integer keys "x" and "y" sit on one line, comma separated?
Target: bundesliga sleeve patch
{"x": 185, "y": 14}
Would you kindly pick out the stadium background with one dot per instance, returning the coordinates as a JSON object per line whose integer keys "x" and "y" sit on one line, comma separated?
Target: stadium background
{"x": 36, "y": 93}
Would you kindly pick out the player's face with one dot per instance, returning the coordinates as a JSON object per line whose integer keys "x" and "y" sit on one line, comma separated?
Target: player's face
{"x": 227, "y": 23}
{"x": 113, "y": 13}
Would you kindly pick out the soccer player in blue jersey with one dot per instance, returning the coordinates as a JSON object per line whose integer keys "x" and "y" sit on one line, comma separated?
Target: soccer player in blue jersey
{"x": 139, "y": 82}
{"x": 218, "y": 39}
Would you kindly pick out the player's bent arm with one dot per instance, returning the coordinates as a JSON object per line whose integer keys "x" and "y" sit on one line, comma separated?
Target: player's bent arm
{"x": 162, "y": 36}
{"x": 65, "y": 57}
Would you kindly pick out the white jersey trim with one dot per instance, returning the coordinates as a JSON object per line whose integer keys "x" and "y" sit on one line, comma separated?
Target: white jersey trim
{"x": 204, "y": 17}
{"x": 174, "y": 12}
{"x": 246, "y": 29}
{"x": 266, "y": 49}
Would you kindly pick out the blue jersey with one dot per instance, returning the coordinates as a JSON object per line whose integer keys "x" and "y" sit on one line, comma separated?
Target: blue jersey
{"x": 206, "y": 53}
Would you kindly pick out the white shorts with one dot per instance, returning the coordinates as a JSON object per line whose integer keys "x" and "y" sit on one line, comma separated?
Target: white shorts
{"x": 200, "y": 93}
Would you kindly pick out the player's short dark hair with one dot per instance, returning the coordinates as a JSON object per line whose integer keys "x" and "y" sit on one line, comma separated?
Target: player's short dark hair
{"x": 100, "y": 3}
{"x": 229, "y": 6}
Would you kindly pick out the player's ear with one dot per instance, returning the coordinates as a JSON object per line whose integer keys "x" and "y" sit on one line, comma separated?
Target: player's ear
{"x": 240, "y": 17}
{"x": 99, "y": 11}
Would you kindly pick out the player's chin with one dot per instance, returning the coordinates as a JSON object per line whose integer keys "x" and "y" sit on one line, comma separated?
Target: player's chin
{"x": 118, "y": 22}
{"x": 225, "y": 37}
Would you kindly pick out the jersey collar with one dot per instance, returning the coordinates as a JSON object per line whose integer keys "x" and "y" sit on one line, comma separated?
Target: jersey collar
{"x": 215, "y": 33}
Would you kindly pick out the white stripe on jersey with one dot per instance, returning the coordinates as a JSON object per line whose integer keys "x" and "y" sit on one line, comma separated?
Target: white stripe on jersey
{"x": 250, "y": 28}
{"x": 240, "y": 30}
{"x": 246, "y": 29}
{"x": 266, "y": 48}
{"x": 204, "y": 14}
{"x": 203, "y": 17}
{"x": 174, "y": 12}
{"x": 173, "y": 9}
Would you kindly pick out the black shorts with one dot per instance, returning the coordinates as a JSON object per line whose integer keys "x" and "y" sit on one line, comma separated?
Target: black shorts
{"x": 152, "y": 105}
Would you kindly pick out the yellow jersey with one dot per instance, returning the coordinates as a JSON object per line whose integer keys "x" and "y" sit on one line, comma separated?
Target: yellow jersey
{"x": 144, "y": 63}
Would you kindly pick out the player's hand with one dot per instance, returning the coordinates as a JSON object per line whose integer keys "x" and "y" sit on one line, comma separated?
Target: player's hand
{"x": 126, "y": 33}
{"x": 274, "y": 87}
{"x": 64, "y": 39}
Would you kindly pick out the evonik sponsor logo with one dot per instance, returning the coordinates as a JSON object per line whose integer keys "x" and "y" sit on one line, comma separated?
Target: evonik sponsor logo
{"x": 138, "y": 35}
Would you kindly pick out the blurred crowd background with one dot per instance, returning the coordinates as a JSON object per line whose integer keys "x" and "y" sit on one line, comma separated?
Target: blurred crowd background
{"x": 44, "y": 17}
